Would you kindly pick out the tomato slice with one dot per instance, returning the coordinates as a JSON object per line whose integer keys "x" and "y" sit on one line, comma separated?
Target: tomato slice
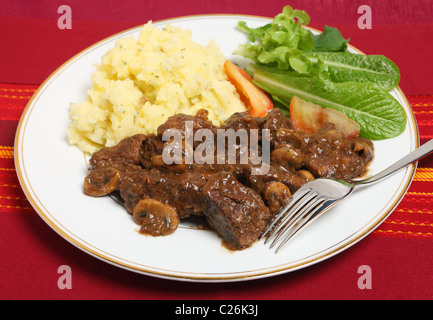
{"x": 255, "y": 99}
{"x": 310, "y": 117}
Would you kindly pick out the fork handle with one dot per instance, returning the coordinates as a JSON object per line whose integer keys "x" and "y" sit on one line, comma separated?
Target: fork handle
{"x": 412, "y": 157}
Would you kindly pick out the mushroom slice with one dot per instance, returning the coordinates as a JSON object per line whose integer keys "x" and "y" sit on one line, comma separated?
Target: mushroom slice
{"x": 158, "y": 163}
{"x": 276, "y": 195}
{"x": 364, "y": 148}
{"x": 175, "y": 154}
{"x": 288, "y": 154}
{"x": 155, "y": 217}
{"x": 101, "y": 181}
{"x": 307, "y": 175}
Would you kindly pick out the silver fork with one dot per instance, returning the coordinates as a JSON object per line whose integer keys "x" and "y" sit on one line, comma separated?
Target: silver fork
{"x": 318, "y": 196}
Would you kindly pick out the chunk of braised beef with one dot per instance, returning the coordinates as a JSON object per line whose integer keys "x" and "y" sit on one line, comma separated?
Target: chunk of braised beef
{"x": 329, "y": 155}
{"x": 274, "y": 121}
{"x": 235, "y": 211}
{"x": 182, "y": 191}
{"x": 178, "y": 123}
{"x": 126, "y": 152}
{"x": 240, "y": 120}
{"x": 234, "y": 199}
{"x": 109, "y": 165}
{"x": 296, "y": 138}
{"x": 150, "y": 147}
{"x": 291, "y": 178}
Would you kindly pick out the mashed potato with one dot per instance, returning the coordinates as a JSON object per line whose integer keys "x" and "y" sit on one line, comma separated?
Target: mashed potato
{"x": 141, "y": 82}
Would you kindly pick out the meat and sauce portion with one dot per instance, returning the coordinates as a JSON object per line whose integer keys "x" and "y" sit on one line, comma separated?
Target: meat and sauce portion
{"x": 232, "y": 199}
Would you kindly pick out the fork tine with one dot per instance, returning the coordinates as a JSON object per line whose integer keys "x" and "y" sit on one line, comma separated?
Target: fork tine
{"x": 318, "y": 207}
{"x": 297, "y": 196}
{"x": 309, "y": 202}
{"x": 289, "y": 211}
{"x": 299, "y": 217}
{"x": 319, "y": 210}
{"x": 291, "y": 214}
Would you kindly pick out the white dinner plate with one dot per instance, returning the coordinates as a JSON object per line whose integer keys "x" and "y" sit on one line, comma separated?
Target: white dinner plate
{"x": 51, "y": 173}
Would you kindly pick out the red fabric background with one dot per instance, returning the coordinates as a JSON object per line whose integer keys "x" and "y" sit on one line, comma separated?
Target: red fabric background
{"x": 35, "y": 47}
{"x": 399, "y": 251}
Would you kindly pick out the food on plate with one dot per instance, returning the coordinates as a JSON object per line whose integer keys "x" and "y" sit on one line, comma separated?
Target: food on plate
{"x": 255, "y": 99}
{"x": 155, "y": 218}
{"x": 230, "y": 198}
{"x": 141, "y": 82}
{"x": 378, "y": 113}
{"x": 310, "y": 107}
{"x": 285, "y": 44}
{"x": 289, "y": 60}
{"x": 310, "y": 117}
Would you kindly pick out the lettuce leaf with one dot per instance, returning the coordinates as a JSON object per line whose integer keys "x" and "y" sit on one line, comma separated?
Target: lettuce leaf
{"x": 378, "y": 113}
{"x": 330, "y": 40}
{"x": 286, "y": 45}
{"x": 289, "y": 60}
{"x": 280, "y": 43}
{"x": 346, "y": 67}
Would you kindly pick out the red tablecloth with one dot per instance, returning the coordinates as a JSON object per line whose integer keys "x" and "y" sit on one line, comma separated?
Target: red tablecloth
{"x": 399, "y": 252}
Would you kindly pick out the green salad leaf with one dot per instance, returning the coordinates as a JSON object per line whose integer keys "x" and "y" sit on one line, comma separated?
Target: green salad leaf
{"x": 378, "y": 113}
{"x": 289, "y": 60}
{"x": 345, "y": 67}
{"x": 330, "y": 40}
{"x": 280, "y": 43}
{"x": 286, "y": 45}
